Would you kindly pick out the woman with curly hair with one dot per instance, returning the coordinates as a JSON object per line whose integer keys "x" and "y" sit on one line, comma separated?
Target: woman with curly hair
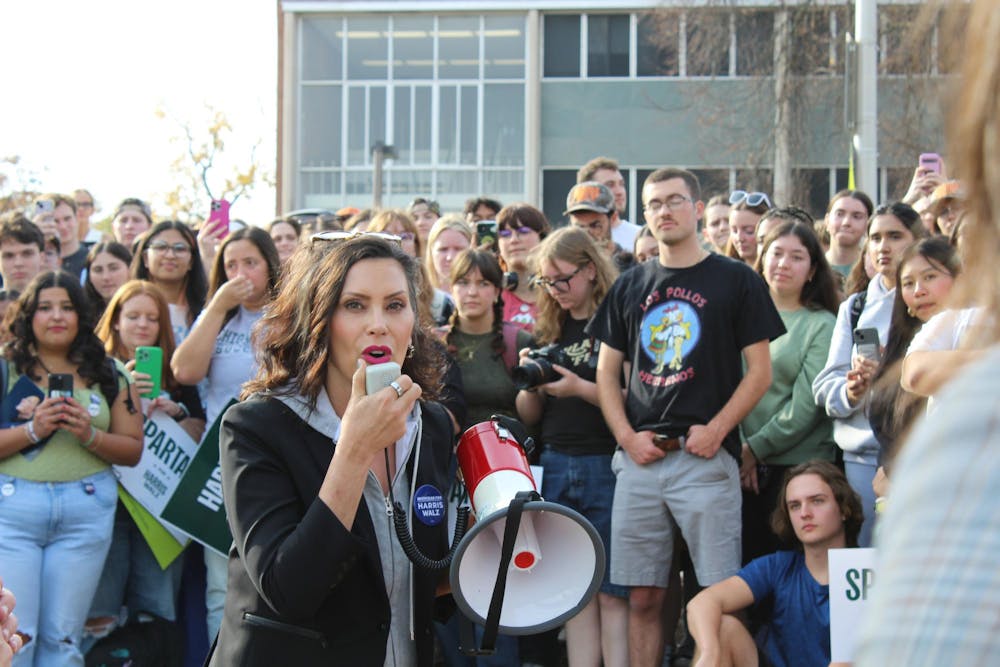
{"x": 59, "y": 492}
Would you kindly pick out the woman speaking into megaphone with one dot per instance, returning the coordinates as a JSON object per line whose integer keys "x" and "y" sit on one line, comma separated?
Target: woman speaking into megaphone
{"x": 339, "y": 420}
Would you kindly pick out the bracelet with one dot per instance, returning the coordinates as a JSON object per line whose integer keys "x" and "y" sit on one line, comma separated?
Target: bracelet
{"x": 29, "y": 429}
{"x": 90, "y": 440}
{"x": 183, "y": 414}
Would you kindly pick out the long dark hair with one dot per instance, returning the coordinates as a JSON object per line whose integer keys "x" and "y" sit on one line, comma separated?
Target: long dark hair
{"x": 820, "y": 291}
{"x": 489, "y": 268}
{"x": 113, "y": 248}
{"x": 195, "y": 282}
{"x": 85, "y": 351}
{"x": 892, "y": 409}
{"x": 268, "y": 251}
{"x": 293, "y": 336}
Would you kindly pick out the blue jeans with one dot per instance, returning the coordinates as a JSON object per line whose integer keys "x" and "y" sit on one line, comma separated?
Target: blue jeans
{"x": 133, "y": 578}
{"x": 216, "y": 581}
{"x": 54, "y": 537}
{"x": 860, "y": 476}
{"x": 584, "y": 483}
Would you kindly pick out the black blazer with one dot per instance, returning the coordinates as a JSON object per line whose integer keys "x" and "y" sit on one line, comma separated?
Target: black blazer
{"x": 303, "y": 589}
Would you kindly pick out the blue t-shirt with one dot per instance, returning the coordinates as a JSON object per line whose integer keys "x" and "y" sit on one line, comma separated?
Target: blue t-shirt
{"x": 798, "y": 631}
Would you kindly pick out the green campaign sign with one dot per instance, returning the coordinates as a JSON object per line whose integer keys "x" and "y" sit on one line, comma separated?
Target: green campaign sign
{"x": 196, "y": 506}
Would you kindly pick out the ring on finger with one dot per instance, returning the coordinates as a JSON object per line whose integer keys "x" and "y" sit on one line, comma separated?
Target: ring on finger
{"x": 398, "y": 389}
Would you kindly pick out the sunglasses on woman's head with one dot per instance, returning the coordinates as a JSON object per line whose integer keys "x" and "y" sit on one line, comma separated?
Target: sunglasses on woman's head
{"x": 751, "y": 198}
{"x": 335, "y": 236}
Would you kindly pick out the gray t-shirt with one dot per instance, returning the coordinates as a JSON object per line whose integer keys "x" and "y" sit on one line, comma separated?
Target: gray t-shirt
{"x": 233, "y": 362}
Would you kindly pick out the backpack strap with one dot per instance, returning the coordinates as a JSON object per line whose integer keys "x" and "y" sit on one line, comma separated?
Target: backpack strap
{"x": 858, "y": 307}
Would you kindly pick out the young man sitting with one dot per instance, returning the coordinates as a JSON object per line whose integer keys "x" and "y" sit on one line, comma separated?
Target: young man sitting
{"x": 818, "y": 510}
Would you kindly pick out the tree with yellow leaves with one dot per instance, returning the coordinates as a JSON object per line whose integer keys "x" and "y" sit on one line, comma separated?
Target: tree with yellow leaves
{"x": 206, "y": 151}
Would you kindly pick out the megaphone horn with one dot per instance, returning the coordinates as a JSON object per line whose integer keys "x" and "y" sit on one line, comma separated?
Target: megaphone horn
{"x": 555, "y": 559}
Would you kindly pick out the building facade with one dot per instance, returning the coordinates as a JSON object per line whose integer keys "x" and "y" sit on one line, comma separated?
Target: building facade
{"x": 508, "y": 98}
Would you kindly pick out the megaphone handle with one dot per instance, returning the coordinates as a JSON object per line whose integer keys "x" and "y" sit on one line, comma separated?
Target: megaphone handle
{"x": 510, "y": 529}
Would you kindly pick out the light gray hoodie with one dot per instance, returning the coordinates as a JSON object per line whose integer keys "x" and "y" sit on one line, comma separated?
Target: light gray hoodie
{"x": 851, "y": 429}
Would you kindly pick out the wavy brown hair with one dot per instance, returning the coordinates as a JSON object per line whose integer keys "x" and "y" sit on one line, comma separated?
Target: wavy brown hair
{"x": 293, "y": 336}
{"x": 847, "y": 499}
{"x": 576, "y": 247}
{"x": 110, "y": 336}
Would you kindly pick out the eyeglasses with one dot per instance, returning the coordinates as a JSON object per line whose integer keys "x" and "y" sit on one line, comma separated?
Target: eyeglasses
{"x": 336, "y": 235}
{"x": 177, "y": 249}
{"x": 673, "y": 203}
{"x": 560, "y": 285}
{"x": 523, "y": 230}
{"x": 751, "y": 198}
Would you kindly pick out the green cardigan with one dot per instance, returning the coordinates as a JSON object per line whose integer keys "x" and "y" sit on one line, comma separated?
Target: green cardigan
{"x": 787, "y": 427}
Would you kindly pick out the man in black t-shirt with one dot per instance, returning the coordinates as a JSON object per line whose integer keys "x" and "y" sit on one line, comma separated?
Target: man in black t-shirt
{"x": 685, "y": 324}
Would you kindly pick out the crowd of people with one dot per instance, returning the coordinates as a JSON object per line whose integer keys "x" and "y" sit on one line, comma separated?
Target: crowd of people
{"x": 729, "y": 391}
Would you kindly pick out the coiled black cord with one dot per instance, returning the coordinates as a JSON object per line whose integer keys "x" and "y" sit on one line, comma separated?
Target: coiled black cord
{"x": 413, "y": 552}
{"x": 410, "y": 547}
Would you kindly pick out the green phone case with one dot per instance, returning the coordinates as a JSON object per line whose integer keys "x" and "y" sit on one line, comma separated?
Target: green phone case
{"x": 149, "y": 360}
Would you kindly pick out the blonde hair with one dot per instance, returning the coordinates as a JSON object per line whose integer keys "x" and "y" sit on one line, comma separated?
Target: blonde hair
{"x": 576, "y": 247}
{"x": 453, "y": 222}
{"x": 974, "y": 137}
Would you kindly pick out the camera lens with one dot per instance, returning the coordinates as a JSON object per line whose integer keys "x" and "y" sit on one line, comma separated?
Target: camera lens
{"x": 531, "y": 374}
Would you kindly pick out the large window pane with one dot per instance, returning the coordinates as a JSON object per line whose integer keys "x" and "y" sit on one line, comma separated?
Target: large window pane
{"x": 320, "y": 126}
{"x": 367, "y": 48}
{"x": 448, "y": 125}
{"x": 713, "y": 182}
{"x": 459, "y": 184}
{"x": 707, "y": 42}
{"x": 422, "y": 120}
{"x": 503, "y": 125}
{"x": 458, "y": 48}
{"x": 401, "y": 118}
{"x": 322, "y": 49}
{"x": 413, "y": 48}
{"x": 320, "y": 186}
{"x": 505, "y": 185}
{"x": 811, "y": 190}
{"x": 358, "y": 188}
{"x": 658, "y": 43}
{"x": 556, "y": 184}
{"x": 906, "y": 46}
{"x": 817, "y": 41}
{"x": 562, "y": 45}
{"x": 755, "y": 180}
{"x": 504, "y": 46}
{"x": 357, "y": 137}
{"x": 755, "y": 42}
{"x": 468, "y": 119}
{"x": 607, "y": 44}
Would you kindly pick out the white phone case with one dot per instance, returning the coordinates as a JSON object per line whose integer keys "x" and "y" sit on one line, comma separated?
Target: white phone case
{"x": 378, "y": 376}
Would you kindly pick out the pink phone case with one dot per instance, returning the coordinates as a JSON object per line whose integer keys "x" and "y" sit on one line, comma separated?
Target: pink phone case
{"x": 219, "y": 217}
{"x": 931, "y": 161}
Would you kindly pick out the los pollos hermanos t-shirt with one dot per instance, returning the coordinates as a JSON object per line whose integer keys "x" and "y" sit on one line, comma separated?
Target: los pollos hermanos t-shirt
{"x": 683, "y": 330}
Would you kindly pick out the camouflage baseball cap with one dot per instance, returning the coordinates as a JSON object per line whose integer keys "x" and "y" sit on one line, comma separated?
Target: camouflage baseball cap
{"x": 590, "y": 196}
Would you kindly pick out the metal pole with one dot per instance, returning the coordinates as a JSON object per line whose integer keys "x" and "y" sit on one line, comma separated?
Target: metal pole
{"x": 380, "y": 153}
{"x": 866, "y": 135}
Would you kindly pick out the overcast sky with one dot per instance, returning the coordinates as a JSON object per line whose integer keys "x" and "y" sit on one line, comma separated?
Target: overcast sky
{"x": 82, "y": 82}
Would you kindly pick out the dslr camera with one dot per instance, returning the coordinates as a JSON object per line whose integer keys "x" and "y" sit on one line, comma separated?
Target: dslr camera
{"x": 538, "y": 367}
